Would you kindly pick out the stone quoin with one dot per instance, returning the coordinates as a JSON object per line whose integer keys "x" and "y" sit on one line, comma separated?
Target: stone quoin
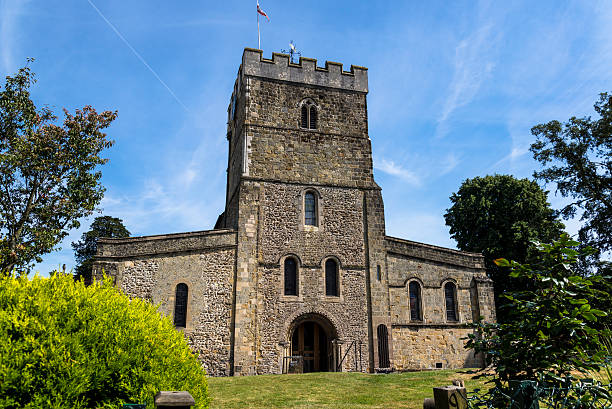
{"x": 298, "y": 267}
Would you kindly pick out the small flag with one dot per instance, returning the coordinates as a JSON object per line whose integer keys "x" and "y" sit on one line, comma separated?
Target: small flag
{"x": 263, "y": 13}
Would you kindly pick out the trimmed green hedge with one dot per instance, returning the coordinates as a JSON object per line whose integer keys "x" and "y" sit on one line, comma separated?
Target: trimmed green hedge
{"x": 65, "y": 345}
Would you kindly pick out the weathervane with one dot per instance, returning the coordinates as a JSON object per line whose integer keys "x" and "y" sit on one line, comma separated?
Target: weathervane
{"x": 292, "y": 51}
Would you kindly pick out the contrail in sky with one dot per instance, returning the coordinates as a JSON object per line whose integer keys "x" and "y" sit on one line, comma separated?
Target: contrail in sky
{"x": 142, "y": 60}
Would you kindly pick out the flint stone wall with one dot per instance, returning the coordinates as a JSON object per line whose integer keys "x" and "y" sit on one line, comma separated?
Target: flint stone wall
{"x": 339, "y": 235}
{"x": 346, "y": 313}
{"x": 205, "y": 261}
{"x": 340, "y": 230}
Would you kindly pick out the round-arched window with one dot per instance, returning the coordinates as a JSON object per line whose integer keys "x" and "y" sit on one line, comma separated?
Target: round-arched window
{"x": 291, "y": 276}
{"x": 310, "y": 209}
{"x": 450, "y": 296}
{"x": 415, "y": 301}
{"x": 180, "y": 305}
{"x": 331, "y": 278}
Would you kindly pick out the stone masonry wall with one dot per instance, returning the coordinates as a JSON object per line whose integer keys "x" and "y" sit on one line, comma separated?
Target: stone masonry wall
{"x": 309, "y": 157}
{"x": 339, "y": 112}
{"x": 110, "y": 249}
{"x": 423, "y": 348}
{"x": 378, "y": 276}
{"x": 305, "y": 72}
{"x": 347, "y": 313}
{"x": 339, "y": 234}
{"x": 431, "y": 276}
{"x": 282, "y": 161}
{"x": 423, "y": 343}
{"x": 205, "y": 262}
{"x": 280, "y": 150}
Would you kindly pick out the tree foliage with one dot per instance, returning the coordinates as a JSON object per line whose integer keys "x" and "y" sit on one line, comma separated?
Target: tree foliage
{"x": 65, "y": 345}
{"x": 577, "y": 156}
{"x": 85, "y": 249}
{"x": 49, "y": 176}
{"x": 501, "y": 216}
{"x": 553, "y": 327}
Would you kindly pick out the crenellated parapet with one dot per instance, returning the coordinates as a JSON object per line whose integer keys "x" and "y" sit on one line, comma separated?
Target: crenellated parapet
{"x": 306, "y": 71}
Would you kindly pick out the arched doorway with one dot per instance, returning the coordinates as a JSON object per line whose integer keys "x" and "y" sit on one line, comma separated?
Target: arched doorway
{"x": 311, "y": 337}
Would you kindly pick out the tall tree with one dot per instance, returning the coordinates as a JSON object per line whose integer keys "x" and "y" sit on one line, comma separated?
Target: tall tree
{"x": 501, "y": 216}
{"x": 49, "y": 176}
{"x": 577, "y": 156}
{"x": 85, "y": 249}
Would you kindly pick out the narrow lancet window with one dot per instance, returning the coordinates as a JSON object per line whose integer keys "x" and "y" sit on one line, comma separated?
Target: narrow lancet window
{"x": 310, "y": 209}
{"x": 291, "y": 277}
{"x": 331, "y": 278}
{"x": 304, "y": 121}
{"x": 180, "y": 305}
{"x": 415, "y": 301}
{"x": 450, "y": 295}
{"x": 308, "y": 118}
{"x": 313, "y": 117}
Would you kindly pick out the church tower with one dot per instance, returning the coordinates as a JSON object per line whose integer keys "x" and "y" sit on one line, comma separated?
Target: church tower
{"x": 308, "y": 215}
{"x": 298, "y": 274}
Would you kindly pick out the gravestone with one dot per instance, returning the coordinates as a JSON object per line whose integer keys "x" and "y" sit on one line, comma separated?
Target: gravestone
{"x": 174, "y": 400}
{"x": 450, "y": 397}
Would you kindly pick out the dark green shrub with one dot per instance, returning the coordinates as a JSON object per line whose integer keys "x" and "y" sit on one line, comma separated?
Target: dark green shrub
{"x": 554, "y": 330}
{"x": 65, "y": 345}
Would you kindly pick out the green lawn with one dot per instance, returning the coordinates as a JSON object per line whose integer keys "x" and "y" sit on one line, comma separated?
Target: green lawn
{"x": 333, "y": 390}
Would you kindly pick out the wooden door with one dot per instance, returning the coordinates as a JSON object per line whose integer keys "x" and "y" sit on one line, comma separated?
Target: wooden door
{"x": 310, "y": 341}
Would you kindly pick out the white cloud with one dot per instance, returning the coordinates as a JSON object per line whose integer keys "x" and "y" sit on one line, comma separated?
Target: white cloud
{"x": 474, "y": 62}
{"x": 9, "y": 14}
{"x": 470, "y": 70}
{"x": 516, "y": 152}
{"x": 451, "y": 161}
{"x": 391, "y": 168}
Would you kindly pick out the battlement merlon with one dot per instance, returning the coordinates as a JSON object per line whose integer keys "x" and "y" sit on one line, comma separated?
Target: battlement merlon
{"x": 305, "y": 72}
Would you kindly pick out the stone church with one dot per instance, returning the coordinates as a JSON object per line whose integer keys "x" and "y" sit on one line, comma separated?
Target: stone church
{"x": 298, "y": 274}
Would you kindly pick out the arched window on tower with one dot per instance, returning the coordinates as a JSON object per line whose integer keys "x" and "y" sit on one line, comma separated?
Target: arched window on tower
{"x": 291, "y": 276}
{"x": 383, "y": 346}
{"x": 310, "y": 209}
{"x": 450, "y": 295}
{"x": 180, "y": 305}
{"x": 415, "y": 301}
{"x": 331, "y": 278}
{"x": 308, "y": 118}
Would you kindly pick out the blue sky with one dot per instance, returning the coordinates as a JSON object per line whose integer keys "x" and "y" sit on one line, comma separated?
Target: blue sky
{"x": 454, "y": 89}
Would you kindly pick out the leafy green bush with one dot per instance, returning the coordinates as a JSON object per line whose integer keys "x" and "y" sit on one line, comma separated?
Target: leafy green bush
{"x": 65, "y": 345}
{"x": 553, "y": 330}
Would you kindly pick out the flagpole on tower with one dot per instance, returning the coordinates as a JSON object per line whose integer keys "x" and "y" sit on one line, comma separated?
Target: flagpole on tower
{"x": 258, "y": 36}
{"x": 263, "y": 13}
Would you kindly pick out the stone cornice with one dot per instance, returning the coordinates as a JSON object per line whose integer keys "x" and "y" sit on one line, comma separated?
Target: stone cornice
{"x": 302, "y": 131}
{"x": 419, "y": 325}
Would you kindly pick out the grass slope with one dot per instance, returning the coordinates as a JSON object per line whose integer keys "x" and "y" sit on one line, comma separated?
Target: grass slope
{"x": 333, "y": 390}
